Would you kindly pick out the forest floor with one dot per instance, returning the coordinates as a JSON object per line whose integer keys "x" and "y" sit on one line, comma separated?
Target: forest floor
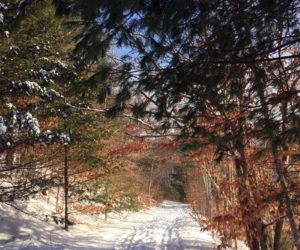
{"x": 166, "y": 226}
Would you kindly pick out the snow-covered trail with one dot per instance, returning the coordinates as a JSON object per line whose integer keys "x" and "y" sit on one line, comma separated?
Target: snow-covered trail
{"x": 168, "y": 226}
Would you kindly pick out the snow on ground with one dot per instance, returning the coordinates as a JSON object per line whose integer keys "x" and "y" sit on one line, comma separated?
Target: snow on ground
{"x": 168, "y": 226}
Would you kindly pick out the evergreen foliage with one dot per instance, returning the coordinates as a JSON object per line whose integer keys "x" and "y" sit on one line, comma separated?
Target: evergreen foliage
{"x": 44, "y": 91}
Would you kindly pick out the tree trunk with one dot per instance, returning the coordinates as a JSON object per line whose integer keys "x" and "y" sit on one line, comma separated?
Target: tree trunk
{"x": 262, "y": 234}
{"x": 241, "y": 170}
{"x": 151, "y": 177}
{"x": 278, "y": 229}
{"x": 288, "y": 205}
{"x": 277, "y": 235}
{"x": 252, "y": 241}
{"x": 105, "y": 215}
{"x": 57, "y": 199}
{"x": 66, "y": 187}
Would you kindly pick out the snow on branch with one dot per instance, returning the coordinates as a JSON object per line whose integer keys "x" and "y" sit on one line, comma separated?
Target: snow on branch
{"x": 11, "y": 127}
{"x": 15, "y": 49}
{"x": 3, "y": 6}
{"x": 17, "y": 122}
{"x": 60, "y": 65}
{"x": 3, "y": 128}
{"x": 1, "y": 18}
{"x": 34, "y": 88}
{"x": 9, "y": 106}
{"x": 64, "y": 139}
{"x": 29, "y": 87}
{"x": 50, "y": 137}
{"x": 51, "y": 94}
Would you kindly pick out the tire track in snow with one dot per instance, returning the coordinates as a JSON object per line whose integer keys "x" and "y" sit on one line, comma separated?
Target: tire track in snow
{"x": 142, "y": 236}
{"x": 171, "y": 238}
{"x": 160, "y": 232}
{"x": 174, "y": 239}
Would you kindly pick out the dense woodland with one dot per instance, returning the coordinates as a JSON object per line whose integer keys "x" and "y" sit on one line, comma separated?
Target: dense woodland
{"x": 106, "y": 105}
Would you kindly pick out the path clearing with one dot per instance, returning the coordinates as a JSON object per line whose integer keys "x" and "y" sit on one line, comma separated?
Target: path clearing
{"x": 168, "y": 226}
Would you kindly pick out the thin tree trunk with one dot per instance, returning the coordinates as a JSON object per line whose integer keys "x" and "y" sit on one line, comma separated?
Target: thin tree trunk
{"x": 57, "y": 198}
{"x": 66, "y": 187}
{"x": 288, "y": 205}
{"x": 277, "y": 235}
{"x": 151, "y": 177}
{"x": 278, "y": 229}
{"x": 262, "y": 234}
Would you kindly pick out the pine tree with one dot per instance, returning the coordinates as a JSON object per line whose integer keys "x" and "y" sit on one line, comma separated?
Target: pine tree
{"x": 42, "y": 86}
{"x": 29, "y": 45}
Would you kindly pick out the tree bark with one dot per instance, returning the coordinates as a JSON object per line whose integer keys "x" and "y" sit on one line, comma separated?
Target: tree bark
{"x": 241, "y": 170}
{"x": 66, "y": 187}
{"x": 277, "y": 235}
{"x": 278, "y": 229}
{"x": 263, "y": 237}
{"x": 288, "y": 205}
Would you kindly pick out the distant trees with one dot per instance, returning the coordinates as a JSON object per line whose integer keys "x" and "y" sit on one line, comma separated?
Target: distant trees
{"x": 219, "y": 73}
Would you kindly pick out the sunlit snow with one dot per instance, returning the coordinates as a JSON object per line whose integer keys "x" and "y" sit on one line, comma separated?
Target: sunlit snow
{"x": 166, "y": 226}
